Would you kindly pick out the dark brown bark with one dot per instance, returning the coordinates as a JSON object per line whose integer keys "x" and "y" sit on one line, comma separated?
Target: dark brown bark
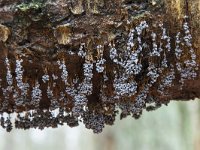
{"x": 42, "y": 32}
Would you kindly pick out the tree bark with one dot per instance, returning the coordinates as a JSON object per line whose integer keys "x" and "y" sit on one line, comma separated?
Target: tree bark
{"x": 91, "y": 57}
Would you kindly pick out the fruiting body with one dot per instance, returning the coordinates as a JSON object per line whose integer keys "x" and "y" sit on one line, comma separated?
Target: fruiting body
{"x": 61, "y": 71}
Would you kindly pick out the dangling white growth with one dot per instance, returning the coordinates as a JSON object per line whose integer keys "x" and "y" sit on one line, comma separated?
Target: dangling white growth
{"x": 132, "y": 65}
{"x": 81, "y": 53}
{"x": 143, "y": 25}
{"x": 86, "y": 86}
{"x": 164, "y": 32}
{"x": 168, "y": 46}
{"x": 130, "y": 43}
{"x": 100, "y": 62}
{"x": 69, "y": 90}
{"x": 19, "y": 73}
{"x": 188, "y": 40}
{"x": 49, "y": 93}
{"x": 63, "y": 67}
{"x": 178, "y": 51}
{"x": 99, "y": 65}
{"x": 123, "y": 87}
{"x": 113, "y": 53}
{"x": 55, "y": 77}
{"x": 188, "y": 37}
{"x": 142, "y": 96}
{"x": 160, "y": 49}
{"x": 155, "y": 51}
{"x": 130, "y": 62}
{"x": 164, "y": 61}
{"x": 163, "y": 64}
{"x": 178, "y": 66}
{"x": 54, "y": 103}
{"x": 166, "y": 37}
{"x": 45, "y": 78}
{"x": 19, "y": 78}
{"x": 153, "y": 73}
{"x": 188, "y": 72}
{"x": 105, "y": 77}
{"x": 79, "y": 102}
{"x": 9, "y": 77}
{"x": 8, "y": 90}
{"x": 167, "y": 81}
{"x": 139, "y": 104}
{"x": 36, "y": 94}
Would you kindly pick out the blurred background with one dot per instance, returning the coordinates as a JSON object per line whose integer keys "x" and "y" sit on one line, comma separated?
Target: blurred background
{"x": 172, "y": 127}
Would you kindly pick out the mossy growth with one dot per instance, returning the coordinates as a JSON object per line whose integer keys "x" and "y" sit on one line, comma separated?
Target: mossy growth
{"x": 33, "y": 4}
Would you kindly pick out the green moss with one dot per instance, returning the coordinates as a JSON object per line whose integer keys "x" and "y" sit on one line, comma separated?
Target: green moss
{"x": 35, "y": 4}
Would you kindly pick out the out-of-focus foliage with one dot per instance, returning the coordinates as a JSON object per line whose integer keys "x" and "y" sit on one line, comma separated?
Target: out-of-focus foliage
{"x": 175, "y": 127}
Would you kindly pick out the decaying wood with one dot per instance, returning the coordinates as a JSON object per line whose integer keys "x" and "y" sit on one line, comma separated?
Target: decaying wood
{"x": 50, "y": 37}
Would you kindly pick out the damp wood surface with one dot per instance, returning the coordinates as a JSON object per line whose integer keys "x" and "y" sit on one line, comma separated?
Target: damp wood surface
{"x": 98, "y": 55}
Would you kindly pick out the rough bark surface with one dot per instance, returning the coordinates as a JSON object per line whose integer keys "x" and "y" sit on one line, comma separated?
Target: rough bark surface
{"x": 89, "y": 57}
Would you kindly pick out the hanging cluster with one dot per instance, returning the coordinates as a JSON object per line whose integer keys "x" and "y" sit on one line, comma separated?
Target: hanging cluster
{"x": 107, "y": 78}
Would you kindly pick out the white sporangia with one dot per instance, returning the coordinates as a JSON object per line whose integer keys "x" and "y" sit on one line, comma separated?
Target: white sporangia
{"x": 142, "y": 96}
{"x": 167, "y": 81}
{"x": 114, "y": 55}
{"x": 71, "y": 91}
{"x": 153, "y": 73}
{"x": 165, "y": 37}
{"x": 168, "y": 46}
{"x": 164, "y": 32}
{"x": 164, "y": 62}
{"x": 86, "y": 86}
{"x": 87, "y": 70}
{"x": 9, "y": 88}
{"x": 55, "y": 77}
{"x": 6, "y": 94}
{"x": 178, "y": 66}
{"x": 36, "y": 94}
{"x": 99, "y": 65}
{"x": 178, "y": 51}
{"x": 54, "y": 103}
{"x": 188, "y": 37}
{"x": 143, "y": 25}
{"x": 64, "y": 74}
{"x": 19, "y": 73}
{"x": 160, "y": 49}
{"x": 123, "y": 87}
{"x": 79, "y": 102}
{"x": 189, "y": 71}
{"x": 49, "y": 93}
{"x": 45, "y": 78}
{"x": 100, "y": 62}
{"x": 81, "y": 53}
{"x": 188, "y": 40}
{"x": 19, "y": 78}
{"x": 105, "y": 77}
{"x": 71, "y": 52}
{"x": 130, "y": 43}
{"x": 155, "y": 50}
{"x": 132, "y": 66}
{"x": 9, "y": 77}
